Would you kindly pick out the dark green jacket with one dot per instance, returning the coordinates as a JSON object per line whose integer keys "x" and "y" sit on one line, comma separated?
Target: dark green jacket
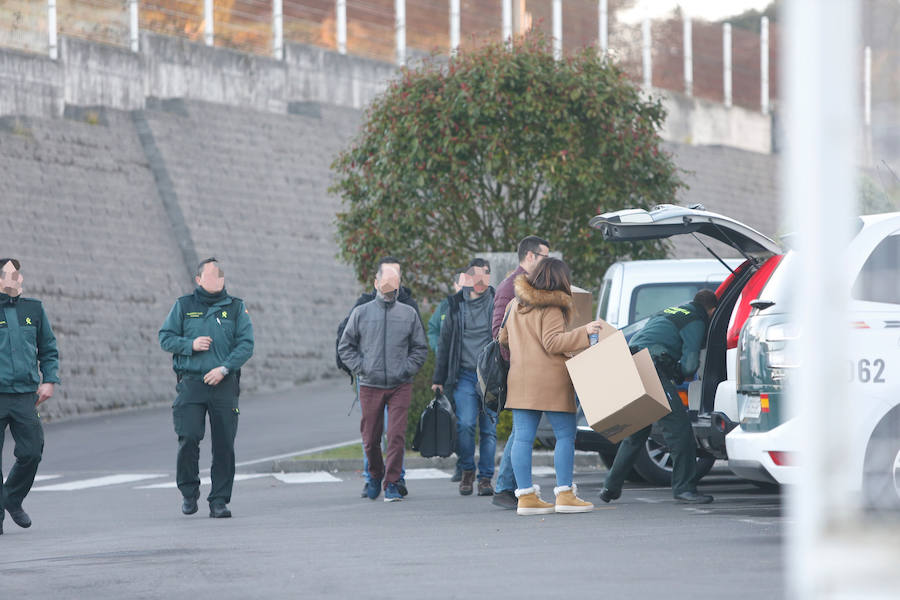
{"x": 678, "y": 332}
{"x": 435, "y": 323}
{"x": 227, "y": 322}
{"x": 27, "y": 344}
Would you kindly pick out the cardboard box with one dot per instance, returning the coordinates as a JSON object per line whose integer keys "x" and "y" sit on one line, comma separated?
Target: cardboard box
{"x": 584, "y": 307}
{"x": 619, "y": 393}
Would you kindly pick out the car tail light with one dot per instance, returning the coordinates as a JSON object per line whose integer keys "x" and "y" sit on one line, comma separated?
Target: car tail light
{"x": 750, "y": 292}
{"x": 684, "y": 396}
{"x": 782, "y": 459}
{"x": 764, "y": 403}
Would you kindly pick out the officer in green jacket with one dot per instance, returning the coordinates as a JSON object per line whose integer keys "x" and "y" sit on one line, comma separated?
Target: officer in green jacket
{"x": 674, "y": 337}
{"x": 210, "y": 337}
{"x": 29, "y": 365}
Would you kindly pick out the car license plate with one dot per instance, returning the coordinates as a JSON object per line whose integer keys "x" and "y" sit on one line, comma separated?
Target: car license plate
{"x": 752, "y": 409}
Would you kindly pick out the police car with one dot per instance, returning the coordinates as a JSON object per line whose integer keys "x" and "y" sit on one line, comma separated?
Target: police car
{"x": 764, "y": 446}
{"x": 712, "y": 399}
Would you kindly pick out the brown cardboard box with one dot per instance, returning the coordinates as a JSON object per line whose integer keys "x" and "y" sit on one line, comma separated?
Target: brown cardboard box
{"x": 619, "y": 393}
{"x": 584, "y": 306}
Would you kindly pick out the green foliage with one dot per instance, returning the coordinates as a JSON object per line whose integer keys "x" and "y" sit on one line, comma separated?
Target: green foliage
{"x": 472, "y": 155}
{"x": 874, "y": 198}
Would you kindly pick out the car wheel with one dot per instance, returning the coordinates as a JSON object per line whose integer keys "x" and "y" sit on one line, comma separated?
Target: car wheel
{"x": 881, "y": 470}
{"x": 654, "y": 464}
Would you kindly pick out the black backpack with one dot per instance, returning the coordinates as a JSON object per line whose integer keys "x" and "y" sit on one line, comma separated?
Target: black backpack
{"x": 493, "y": 370}
{"x": 436, "y": 432}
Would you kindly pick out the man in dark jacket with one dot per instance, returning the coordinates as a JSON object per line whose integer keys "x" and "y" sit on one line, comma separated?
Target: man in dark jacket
{"x": 437, "y": 319}
{"x": 29, "y": 365}
{"x": 674, "y": 337}
{"x": 531, "y": 251}
{"x": 466, "y": 330}
{"x": 210, "y": 336}
{"x": 404, "y": 296}
{"x": 384, "y": 345}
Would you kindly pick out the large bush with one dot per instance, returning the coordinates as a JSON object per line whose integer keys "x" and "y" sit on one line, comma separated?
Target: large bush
{"x": 501, "y": 142}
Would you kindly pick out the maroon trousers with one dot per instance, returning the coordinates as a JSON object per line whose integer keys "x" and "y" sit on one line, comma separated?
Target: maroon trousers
{"x": 372, "y": 402}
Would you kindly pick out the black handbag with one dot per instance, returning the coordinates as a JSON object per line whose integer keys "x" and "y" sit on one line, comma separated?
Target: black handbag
{"x": 436, "y": 431}
{"x": 492, "y": 371}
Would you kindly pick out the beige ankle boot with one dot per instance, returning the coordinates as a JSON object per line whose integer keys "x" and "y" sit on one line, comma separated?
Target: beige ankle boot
{"x": 530, "y": 502}
{"x": 568, "y": 502}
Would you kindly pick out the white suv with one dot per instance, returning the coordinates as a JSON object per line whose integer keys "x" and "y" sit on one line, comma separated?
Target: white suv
{"x": 764, "y": 446}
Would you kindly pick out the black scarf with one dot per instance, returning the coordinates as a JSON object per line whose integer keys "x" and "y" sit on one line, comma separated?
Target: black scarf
{"x": 209, "y": 299}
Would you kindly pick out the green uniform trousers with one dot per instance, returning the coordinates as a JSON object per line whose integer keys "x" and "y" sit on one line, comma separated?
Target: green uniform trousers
{"x": 19, "y": 413}
{"x": 194, "y": 401}
{"x": 679, "y": 437}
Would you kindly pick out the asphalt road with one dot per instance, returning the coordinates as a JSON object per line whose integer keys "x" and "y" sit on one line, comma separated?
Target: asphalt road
{"x": 310, "y": 535}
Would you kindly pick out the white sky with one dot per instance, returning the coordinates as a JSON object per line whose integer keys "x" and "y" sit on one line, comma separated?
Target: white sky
{"x": 710, "y": 10}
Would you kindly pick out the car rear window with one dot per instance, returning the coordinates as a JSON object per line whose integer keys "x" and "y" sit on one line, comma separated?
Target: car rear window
{"x": 878, "y": 280}
{"x": 653, "y": 297}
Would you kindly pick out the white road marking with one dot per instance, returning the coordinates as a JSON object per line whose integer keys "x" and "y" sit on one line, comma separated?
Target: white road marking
{"x": 756, "y": 522}
{"x": 650, "y": 500}
{"x": 203, "y": 481}
{"x": 298, "y": 453}
{"x": 312, "y": 477}
{"x": 46, "y": 477}
{"x": 94, "y": 482}
{"x": 542, "y": 471}
{"x": 426, "y": 474}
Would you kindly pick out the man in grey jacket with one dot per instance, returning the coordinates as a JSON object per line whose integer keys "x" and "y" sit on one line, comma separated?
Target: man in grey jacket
{"x": 384, "y": 346}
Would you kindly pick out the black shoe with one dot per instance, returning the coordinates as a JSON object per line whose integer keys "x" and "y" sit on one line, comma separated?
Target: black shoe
{"x": 607, "y": 494}
{"x": 457, "y": 475}
{"x": 505, "y": 499}
{"x": 218, "y": 510}
{"x": 19, "y": 517}
{"x": 401, "y": 487}
{"x": 365, "y": 492}
{"x": 189, "y": 506}
{"x": 693, "y": 498}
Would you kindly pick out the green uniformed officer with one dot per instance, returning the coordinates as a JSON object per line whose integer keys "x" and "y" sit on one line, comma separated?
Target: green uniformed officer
{"x": 210, "y": 337}
{"x": 674, "y": 337}
{"x": 29, "y": 363}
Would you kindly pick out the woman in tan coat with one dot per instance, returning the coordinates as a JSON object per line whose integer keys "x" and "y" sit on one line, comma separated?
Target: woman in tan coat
{"x": 538, "y": 382}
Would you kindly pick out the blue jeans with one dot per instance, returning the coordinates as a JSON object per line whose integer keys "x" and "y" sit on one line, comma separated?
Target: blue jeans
{"x": 506, "y": 479}
{"x": 468, "y": 415}
{"x": 366, "y": 458}
{"x": 525, "y": 424}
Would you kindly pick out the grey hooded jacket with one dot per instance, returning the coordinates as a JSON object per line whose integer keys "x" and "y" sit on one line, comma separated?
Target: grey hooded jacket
{"x": 383, "y": 344}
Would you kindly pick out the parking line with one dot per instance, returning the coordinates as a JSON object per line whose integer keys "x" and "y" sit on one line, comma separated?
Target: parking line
{"x": 83, "y": 484}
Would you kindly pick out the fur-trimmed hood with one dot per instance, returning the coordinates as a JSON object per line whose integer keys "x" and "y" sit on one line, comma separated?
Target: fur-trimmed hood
{"x": 530, "y": 297}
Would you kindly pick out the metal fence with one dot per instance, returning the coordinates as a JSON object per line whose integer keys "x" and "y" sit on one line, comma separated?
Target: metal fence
{"x": 707, "y": 60}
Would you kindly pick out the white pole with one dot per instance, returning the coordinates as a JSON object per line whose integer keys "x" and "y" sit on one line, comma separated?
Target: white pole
{"x": 51, "y": 29}
{"x": 726, "y": 62}
{"x": 341, "y": 24}
{"x": 208, "y": 34}
{"x": 646, "y": 54}
{"x": 400, "y": 30}
{"x": 868, "y": 85}
{"x": 603, "y": 34}
{"x": 507, "y": 21}
{"x": 277, "y": 29}
{"x": 134, "y": 26}
{"x": 820, "y": 84}
{"x": 454, "y": 26}
{"x": 688, "y": 40}
{"x": 764, "y": 64}
{"x": 557, "y": 29}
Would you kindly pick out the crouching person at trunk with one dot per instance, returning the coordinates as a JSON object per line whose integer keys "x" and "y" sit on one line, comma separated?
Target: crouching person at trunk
{"x": 384, "y": 346}
{"x": 538, "y": 382}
